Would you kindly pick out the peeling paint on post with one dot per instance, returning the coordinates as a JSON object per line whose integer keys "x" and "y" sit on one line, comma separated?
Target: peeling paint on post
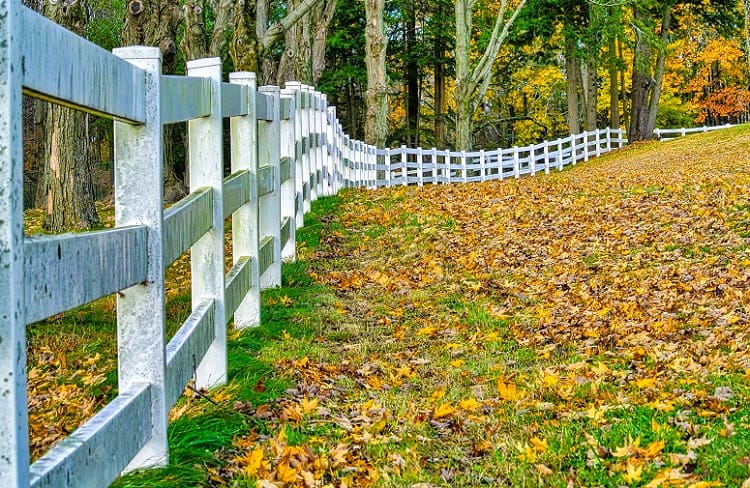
{"x": 269, "y": 206}
{"x": 245, "y": 236}
{"x": 299, "y": 178}
{"x": 207, "y": 255}
{"x": 141, "y": 315}
{"x": 288, "y": 187}
{"x": 14, "y": 435}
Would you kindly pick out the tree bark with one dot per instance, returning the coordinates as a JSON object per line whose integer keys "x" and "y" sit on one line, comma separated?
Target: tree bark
{"x": 571, "y": 86}
{"x": 68, "y": 182}
{"x": 439, "y": 95}
{"x": 376, "y": 97}
{"x": 642, "y": 83}
{"x": 194, "y": 39}
{"x": 653, "y": 104}
{"x": 746, "y": 10}
{"x": 412, "y": 76}
{"x": 295, "y": 63}
{"x": 472, "y": 83}
{"x": 614, "y": 91}
{"x": 322, "y": 15}
{"x": 154, "y": 23}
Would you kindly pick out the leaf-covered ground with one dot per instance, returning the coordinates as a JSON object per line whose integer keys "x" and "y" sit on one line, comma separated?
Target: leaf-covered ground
{"x": 586, "y": 328}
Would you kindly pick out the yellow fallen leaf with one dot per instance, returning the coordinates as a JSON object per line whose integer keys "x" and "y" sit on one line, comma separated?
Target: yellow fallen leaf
{"x": 653, "y": 449}
{"x": 632, "y": 474}
{"x": 253, "y": 462}
{"x": 644, "y": 383}
{"x": 470, "y": 404}
{"x": 539, "y": 445}
{"x": 444, "y": 410}
{"x": 308, "y": 405}
{"x": 705, "y": 484}
{"x": 509, "y": 391}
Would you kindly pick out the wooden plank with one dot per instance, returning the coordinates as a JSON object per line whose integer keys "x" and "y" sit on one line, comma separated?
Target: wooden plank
{"x": 68, "y": 270}
{"x": 285, "y": 169}
{"x": 185, "y": 222}
{"x": 187, "y": 348}
{"x": 233, "y": 100}
{"x": 184, "y": 98}
{"x": 236, "y": 191}
{"x": 286, "y": 108}
{"x": 63, "y": 68}
{"x": 263, "y": 107}
{"x": 265, "y": 180}
{"x": 239, "y": 281}
{"x": 285, "y": 230}
{"x": 265, "y": 254}
{"x": 96, "y": 453}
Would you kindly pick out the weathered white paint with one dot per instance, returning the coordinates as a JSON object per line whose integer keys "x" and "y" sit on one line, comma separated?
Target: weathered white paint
{"x": 68, "y": 270}
{"x": 189, "y": 344}
{"x": 186, "y": 221}
{"x": 184, "y": 98}
{"x": 266, "y": 180}
{"x": 244, "y": 142}
{"x": 287, "y": 188}
{"x": 236, "y": 191}
{"x": 265, "y": 256}
{"x": 269, "y": 204}
{"x": 141, "y": 316}
{"x": 299, "y": 178}
{"x": 263, "y": 107}
{"x": 95, "y": 454}
{"x": 14, "y": 446}
{"x": 52, "y": 69}
{"x": 207, "y": 254}
{"x": 239, "y": 281}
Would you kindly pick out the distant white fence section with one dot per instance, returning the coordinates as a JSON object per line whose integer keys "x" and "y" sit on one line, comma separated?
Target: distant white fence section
{"x": 406, "y": 166}
{"x": 669, "y": 134}
{"x": 287, "y": 149}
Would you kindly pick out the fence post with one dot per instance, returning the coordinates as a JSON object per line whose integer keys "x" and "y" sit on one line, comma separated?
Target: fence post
{"x": 532, "y": 159}
{"x": 516, "y": 163}
{"x": 207, "y": 254}
{"x": 420, "y": 168}
{"x": 404, "y": 160}
{"x": 141, "y": 318}
{"x": 299, "y": 180}
{"x": 560, "y": 162}
{"x": 609, "y": 139}
{"x": 287, "y": 176}
{"x": 482, "y": 166}
{"x": 464, "y": 173}
{"x": 586, "y": 146}
{"x": 500, "y": 163}
{"x": 269, "y": 205}
{"x": 244, "y": 141}
{"x": 330, "y": 149}
{"x": 546, "y": 157}
{"x": 14, "y": 430}
{"x": 387, "y": 163}
{"x": 573, "y": 149}
{"x": 598, "y": 144}
{"x": 318, "y": 139}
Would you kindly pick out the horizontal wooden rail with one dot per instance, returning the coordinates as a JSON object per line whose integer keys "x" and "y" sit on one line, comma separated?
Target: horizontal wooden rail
{"x": 65, "y": 271}
{"x": 185, "y": 222}
{"x": 184, "y": 98}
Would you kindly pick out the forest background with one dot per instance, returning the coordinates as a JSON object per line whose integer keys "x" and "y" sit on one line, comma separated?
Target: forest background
{"x": 430, "y": 73}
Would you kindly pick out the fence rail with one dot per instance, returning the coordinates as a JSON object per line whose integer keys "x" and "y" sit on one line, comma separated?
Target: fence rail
{"x": 287, "y": 149}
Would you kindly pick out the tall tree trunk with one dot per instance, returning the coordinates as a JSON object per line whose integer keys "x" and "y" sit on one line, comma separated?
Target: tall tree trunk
{"x": 322, "y": 15}
{"x": 154, "y": 23}
{"x": 67, "y": 176}
{"x": 614, "y": 92}
{"x": 376, "y": 97}
{"x": 412, "y": 76}
{"x": 34, "y": 117}
{"x": 571, "y": 85}
{"x": 746, "y": 10}
{"x": 439, "y": 95}
{"x": 194, "y": 39}
{"x": 623, "y": 98}
{"x": 653, "y": 104}
{"x": 244, "y": 47}
{"x": 472, "y": 83}
{"x": 642, "y": 84}
{"x": 295, "y": 63}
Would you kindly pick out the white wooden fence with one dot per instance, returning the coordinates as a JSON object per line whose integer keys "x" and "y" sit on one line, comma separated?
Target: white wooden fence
{"x": 287, "y": 149}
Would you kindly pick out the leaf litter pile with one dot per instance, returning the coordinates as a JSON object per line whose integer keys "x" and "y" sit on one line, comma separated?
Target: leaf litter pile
{"x": 586, "y": 328}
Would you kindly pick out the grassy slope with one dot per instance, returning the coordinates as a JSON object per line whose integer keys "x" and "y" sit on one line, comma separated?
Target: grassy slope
{"x": 586, "y": 328}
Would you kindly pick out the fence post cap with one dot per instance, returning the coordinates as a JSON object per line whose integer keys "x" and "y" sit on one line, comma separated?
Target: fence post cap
{"x": 242, "y": 75}
{"x": 203, "y": 63}
{"x": 137, "y": 52}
